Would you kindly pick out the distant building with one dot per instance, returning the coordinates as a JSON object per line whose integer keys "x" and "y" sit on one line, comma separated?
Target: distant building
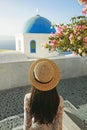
{"x": 35, "y": 33}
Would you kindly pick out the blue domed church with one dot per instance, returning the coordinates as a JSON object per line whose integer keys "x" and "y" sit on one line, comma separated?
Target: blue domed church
{"x": 35, "y": 33}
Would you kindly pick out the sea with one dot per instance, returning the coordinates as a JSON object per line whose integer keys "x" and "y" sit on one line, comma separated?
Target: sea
{"x": 7, "y": 43}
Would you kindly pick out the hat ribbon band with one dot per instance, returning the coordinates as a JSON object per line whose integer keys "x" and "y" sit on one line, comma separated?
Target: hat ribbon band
{"x": 40, "y": 81}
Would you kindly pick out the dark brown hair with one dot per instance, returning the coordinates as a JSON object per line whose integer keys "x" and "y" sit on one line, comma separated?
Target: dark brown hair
{"x": 44, "y": 105}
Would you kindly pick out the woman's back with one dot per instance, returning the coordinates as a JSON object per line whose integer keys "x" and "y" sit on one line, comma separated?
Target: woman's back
{"x": 31, "y": 125}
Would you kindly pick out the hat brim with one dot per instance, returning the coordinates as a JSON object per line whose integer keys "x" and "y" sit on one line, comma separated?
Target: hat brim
{"x": 48, "y": 86}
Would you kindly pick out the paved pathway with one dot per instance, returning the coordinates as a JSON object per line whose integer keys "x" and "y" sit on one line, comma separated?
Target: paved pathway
{"x": 74, "y": 90}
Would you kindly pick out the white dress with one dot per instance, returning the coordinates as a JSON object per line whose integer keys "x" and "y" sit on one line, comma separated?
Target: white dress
{"x": 29, "y": 123}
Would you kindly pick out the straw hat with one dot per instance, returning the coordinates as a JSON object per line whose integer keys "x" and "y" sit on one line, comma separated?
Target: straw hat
{"x": 44, "y": 74}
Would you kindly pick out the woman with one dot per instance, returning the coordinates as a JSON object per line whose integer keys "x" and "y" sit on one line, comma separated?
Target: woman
{"x": 43, "y": 107}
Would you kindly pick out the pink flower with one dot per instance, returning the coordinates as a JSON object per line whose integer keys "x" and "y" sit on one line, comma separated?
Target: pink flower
{"x": 61, "y": 29}
{"x": 78, "y": 27}
{"x": 52, "y": 34}
{"x": 84, "y": 11}
{"x": 84, "y": 27}
{"x": 84, "y": 0}
{"x": 71, "y": 36}
{"x": 85, "y": 39}
{"x": 58, "y": 35}
{"x": 54, "y": 42}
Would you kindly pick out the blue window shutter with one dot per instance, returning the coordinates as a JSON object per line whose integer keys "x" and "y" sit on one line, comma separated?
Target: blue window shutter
{"x": 33, "y": 46}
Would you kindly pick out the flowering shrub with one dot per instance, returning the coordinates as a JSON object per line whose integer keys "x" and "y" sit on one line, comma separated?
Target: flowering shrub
{"x": 70, "y": 37}
{"x": 84, "y": 10}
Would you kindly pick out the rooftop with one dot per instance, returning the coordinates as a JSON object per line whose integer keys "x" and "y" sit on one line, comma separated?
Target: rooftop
{"x": 38, "y": 24}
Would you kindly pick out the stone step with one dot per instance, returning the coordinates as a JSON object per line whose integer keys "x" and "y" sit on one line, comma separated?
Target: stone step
{"x": 11, "y": 122}
{"x": 68, "y": 123}
{"x": 18, "y": 128}
{"x": 16, "y": 122}
{"x": 79, "y": 116}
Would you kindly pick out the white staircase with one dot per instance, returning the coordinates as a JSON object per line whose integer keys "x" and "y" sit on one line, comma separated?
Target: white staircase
{"x": 68, "y": 124}
{"x": 16, "y": 122}
{"x": 18, "y": 128}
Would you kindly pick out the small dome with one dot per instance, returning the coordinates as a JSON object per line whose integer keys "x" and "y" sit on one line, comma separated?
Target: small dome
{"x": 38, "y": 24}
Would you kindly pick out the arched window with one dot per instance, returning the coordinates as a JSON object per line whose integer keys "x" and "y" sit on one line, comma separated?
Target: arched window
{"x": 33, "y": 46}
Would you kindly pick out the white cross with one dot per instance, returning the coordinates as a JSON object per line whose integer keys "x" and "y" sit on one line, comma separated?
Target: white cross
{"x": 37, "y": 11}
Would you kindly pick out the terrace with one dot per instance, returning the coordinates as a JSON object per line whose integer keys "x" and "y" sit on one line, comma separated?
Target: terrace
{"x": 14, "y": 85}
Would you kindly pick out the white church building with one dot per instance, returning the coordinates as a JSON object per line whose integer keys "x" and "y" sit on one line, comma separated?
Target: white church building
{"x": 35, "y": 33}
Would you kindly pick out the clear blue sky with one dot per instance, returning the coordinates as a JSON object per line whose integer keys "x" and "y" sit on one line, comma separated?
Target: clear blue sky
{"x": 14, "y": 13}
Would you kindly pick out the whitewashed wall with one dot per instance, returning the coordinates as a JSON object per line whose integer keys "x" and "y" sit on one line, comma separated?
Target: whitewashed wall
{"x": 19, "y": 39}
{"x": 15, "y": 74}
{"x": 25, "y": 44}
